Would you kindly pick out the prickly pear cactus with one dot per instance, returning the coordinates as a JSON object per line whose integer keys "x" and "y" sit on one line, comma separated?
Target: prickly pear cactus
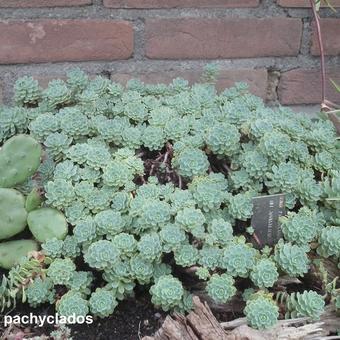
{"x": 12, "y": 251}
{"x": 33, "y": 200}
{"x": 47, "y": 223}
{"x": 12, "y": 213}
{"x": 19, "y": 159}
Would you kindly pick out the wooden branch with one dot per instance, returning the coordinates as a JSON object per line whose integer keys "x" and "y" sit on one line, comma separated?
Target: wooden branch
{"x": 335, "y": 120}
{"x": 201, "y": 324}
{"x": 204, "y": 323}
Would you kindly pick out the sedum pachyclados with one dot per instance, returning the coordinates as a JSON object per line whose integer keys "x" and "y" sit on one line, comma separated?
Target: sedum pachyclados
{"x": 261, "y": 311}
{"x": 156, "y": 179}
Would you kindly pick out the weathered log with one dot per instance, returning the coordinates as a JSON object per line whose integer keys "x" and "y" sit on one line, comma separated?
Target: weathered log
{"x": 200, "y": 324}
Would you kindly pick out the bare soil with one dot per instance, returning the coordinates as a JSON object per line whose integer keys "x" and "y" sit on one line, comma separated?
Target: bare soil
{"x": 131, "y": 320}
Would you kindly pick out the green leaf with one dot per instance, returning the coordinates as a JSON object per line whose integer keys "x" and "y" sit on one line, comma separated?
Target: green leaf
{"x": 330, "y": 5}
{"x": 335, "y": 85}
{"x": 317, "y": 4}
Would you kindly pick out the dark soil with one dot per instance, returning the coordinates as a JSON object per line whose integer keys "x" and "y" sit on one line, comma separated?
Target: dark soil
{"x": 131, "y": 320}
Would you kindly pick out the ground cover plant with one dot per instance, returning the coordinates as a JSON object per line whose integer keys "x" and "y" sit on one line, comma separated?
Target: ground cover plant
{"x": 139, "y": 185}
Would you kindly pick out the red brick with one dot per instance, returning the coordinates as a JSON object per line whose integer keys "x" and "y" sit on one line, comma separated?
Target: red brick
{"x": 302, "y": 86}
{"x": 256, "y": 78}
{"x": 330, "y": 30}
{"x": 222, "y": 38}
{"x": 64, "y": 40}
{"x": 179, "y": 3}
{"x": 305, "y": 3}
{"x": 43, "y": 3}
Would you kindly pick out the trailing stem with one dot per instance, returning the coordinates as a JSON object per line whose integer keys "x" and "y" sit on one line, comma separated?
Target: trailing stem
{"x": 322, "y": 55}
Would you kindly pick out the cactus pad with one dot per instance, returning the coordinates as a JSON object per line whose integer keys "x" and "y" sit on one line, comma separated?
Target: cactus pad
{"x": 46, "y": 223}
{"x": 12, "y": 213}
{"x": 33, "y": 200}
{"x": 11, "y": 252}
{"x": 19, "y": 159}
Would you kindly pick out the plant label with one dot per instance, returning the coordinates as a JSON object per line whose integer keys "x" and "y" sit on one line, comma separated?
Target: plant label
{"x": 265, "y": 220}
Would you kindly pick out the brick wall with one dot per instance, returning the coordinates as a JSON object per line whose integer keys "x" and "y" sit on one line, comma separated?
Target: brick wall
{"x": 271, "y": 44}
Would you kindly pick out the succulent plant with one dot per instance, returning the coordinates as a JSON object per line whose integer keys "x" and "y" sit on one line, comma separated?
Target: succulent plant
{"x": 255, "y": 163}
{"x": 186, "y": 256}
{"x": 308, "y": 303}
{"x": 167, "y": 292}
{"x": 102, "y": 302}
{"x": 12, "y": 121}
{"x": 150, "y": 247}
{"x": 238, "y": 259}
{"x": 56, "y": 143}
{"x": 223, "y": 139}
{"x": 264, "y": 274}
{"x": 57, "y": 93}
{"x": 21, "y": 273}
{"x": 191, "y": 162}
{"x": 85, "y": 230}
{"x": 40, "y": 291}
{"x": 27, "y": 91}
{"x": 81, "y": 281}
{"x": 172, "y": 237}
{"x": 109, "y": 222}
{"x": 220, "y": 232}
{"x": 292, "y": 258}
{"x": 138, "y": 181}
{"x": 60, "y": 271}
{"x": 53, "y": 247}
{"x": 43, "y": 125}
{"x": 202, "y": 273}
{"x": 60, "y": 193}
{"x": 101, "y": 254}
{"x": 283, "y": 177}
{"x": 72, "y": 304}
{"x": 71, "y": 247}
{"x": 141, "y": 269}
{"x": 190, "y": 218}
{"x": 261, "y": 312}
{"x": 209, "y": 191}
{"x": 241, "y": 206}
{"x": 74, "y": 123}
{"x": 153, "y": 137}
{"x": 221, "y": 287}
{"x": 302, "y": 227}
{"x": 276, "y": 146}
{"x": 77, "y": 79}
{"x": 210, "y": 257}
{"x": 329, "y": 242}
{"x": 125, "y": 243}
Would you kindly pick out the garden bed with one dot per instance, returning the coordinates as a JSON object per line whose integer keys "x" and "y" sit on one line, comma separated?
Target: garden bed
{"x": 132, "y": 319}
{"x": 152, "y": 191}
